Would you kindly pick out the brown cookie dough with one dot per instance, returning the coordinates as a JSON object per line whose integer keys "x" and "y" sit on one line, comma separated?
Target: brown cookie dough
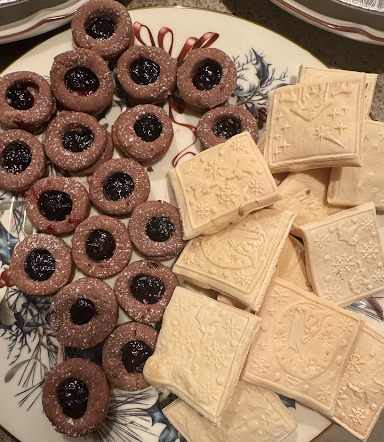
{"x": 84, "y": 313}
{"x": 155, "y": 230}
{"x": 118, "y": 186}
{"x": 125, "y": 353}
{"x": 143, "y": 132}
{"x": 76, "y": 397}
{"x": 26, "y": 101}
{"x": 104, "y": 26}
{"x": 22, "y": 160}
{"x": 74, "y": 140}
{"x": 81, "y": 81}
{"x": 57, "y": 205}
{"x": 147, "y": 74}
{"x": 41, "y": 264}
{"x": 206, "y": 79}
{"x": 101, "y": 246}
{"x": 104, "y": 157}
{"x": 144, "y": 289}
{"x": 222, "y": 123}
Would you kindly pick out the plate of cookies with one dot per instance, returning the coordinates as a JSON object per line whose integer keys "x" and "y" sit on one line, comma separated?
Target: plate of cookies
{"x": 189, "y": 242}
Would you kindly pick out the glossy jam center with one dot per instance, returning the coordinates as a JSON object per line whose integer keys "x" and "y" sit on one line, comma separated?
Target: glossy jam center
{"x": 73, "y": 397}
{"x": 78, "y": 139}
{"x": 39, "y": 264}
{"x": 101, "y": 28}
{"x": 16, "y": 157}
{"x": 82, "y": 311}
{"x": 147, "y": 289}
{"x": 207, "y": 75}
{"x": 148, "y": 128}
{"x": 159, "y": 228}
{"x": 100, "y": 245}
{"x": 20, "y": 96}
{"x": 81, "y": 80}
{"x": 134, "y": 355}
{"x": 227, "y": 127}
{"x": 55, "y": 205}
{"x": 144, "y": 71}
{"x": 118, "y": 186}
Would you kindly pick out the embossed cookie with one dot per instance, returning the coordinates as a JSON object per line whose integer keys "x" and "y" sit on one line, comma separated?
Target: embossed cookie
{"x": 315, "y": 125}
{"x": 253, "y": 414}
{"x": 200, "y": 351}
{"x": 220, "y": 185}
{"x": 345, "y": 255}
{"x": 303, "y": 347}
{"x": 238, "y": 261}
{"x": 350, "y": 186}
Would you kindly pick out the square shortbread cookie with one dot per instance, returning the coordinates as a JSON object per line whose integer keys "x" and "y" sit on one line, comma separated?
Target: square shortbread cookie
{"x": 350, "y": 186}
{"x": 222, "y": 184}
{"x": 345, "y": 255}
{"x": 201, "y": 350}
{"x": 240, "y": 260}
{"x": 253, "y": 414}
{"x": 303, "y": 346}
{"x": 315, "y": 125}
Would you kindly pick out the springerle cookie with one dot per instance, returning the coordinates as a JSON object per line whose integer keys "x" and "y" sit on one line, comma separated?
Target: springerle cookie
{"x": 350, "y": 186}
{"x": 231, "y": 301}
{"x": 222, "y": 184}
{"x": 345, "y": 255}
{"x": 253, "y": 414}
{"x": 360, "y": 397}
{"x": 303, "y": 346}
{"x": 200, "y": 351}
{"x": 238, "y": 261}
{"x": 315, "y": 125}
{"x": 305, "y": 193}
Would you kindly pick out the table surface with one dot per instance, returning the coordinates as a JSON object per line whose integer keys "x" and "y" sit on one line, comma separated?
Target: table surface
{"x": 333, "y": 50}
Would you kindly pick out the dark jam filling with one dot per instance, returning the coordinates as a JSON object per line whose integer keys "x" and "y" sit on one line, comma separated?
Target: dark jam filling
{"x": 20, "y": 97}
{"x": 100, "y": 245}
{"x": 159, "y": 228}
{"x": 77, "y": 139}
{"x": 73, "y": 397}
{"x": 16, "y": 157}
{"x": 55, "y": 205}
{"x": 118, "y": 186}
{"x": 144, "y": 71}
{"x": 81, "y": 80}
{"x": 148, "y": 128}
{"x": 207, "y": 75}
{"x": 39, "y": 264}
{"x": 227, "y": 127}
{"x": 101, "y": 28}
{"x": 147, "y": 289}
{"x": 134, "y": 355}
{"x": 82, "y": 311}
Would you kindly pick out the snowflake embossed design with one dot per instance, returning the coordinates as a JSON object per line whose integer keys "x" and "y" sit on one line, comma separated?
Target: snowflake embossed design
{"x": 322, "y": 241}
{"x": 368, "y": 251}
{"x": 355, "y": 363}
{"x": 215, "y": 168}
{"x": 333, "y": 292}
{"x": 256, "y": 186}
{"x": 343, "y": 264}
{"x": 232, "y": 328}
{"x": 241, "y": 278}
{"x": 378, "y": 276}
{"x": 324, "y": 393}
{"x": 261, "y": 365}
{"x": 214, "y": 355}
{"x": 202, "y": 211}
{"x": 228, "y": 194}
{"x": 357, "y": 415}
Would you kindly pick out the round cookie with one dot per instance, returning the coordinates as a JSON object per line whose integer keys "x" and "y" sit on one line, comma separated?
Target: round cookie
{"x": 41, "y": 264}
{"x": 125, "y": 353}
{"x": 76, "y": 397}
{"x": 104, "y": 157}
{"x": 57, "y": 205}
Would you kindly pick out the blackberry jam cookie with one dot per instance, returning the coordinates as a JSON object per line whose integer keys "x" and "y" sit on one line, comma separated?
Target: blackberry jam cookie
{"x": 84, "y": 313}
{"x": 222, "y": 123}
{"x": 101, "y": 246}
{"x": 104, "y": 26}
{"x": 144, "y": 288}
{"x": 57, "y": 205}
{"x": 147, "y": 74}
{"x": 41, "y": 264}
{"x": 76, "y": 397}
{"x": 118, "y": 186}
{"x": 125, "y": 353}
{"x": 26, "y": 101}
{"x": 206, "y": 79}
{"x": 22, "y": 160}
{"x": 155, "y": 230}
{"x": 143, "y": 132}
{"x": 74, "y": 141}
{"x": 81, "y": 81}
